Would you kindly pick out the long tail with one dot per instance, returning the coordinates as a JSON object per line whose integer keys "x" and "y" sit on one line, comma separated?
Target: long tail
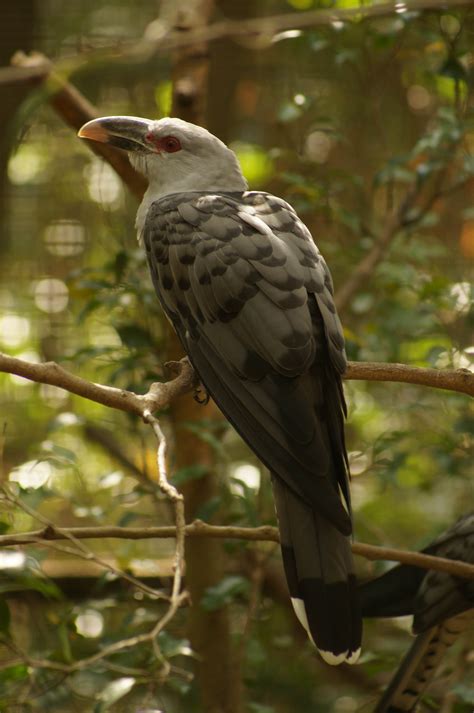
{"x": 420, "y": 664}
{"x": 319, "y": 570}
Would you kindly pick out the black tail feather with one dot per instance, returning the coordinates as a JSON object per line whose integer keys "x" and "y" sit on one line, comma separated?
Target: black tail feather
{"x": 318, "y": 564}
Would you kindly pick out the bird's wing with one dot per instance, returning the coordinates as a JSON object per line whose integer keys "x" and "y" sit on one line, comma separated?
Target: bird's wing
{"x": 251, "y": 299}
{"x": 442, "y": 595}
{"x": 420, "y": 664}
{"x": 442, "y": 606}
{"x": 430, "y": 596}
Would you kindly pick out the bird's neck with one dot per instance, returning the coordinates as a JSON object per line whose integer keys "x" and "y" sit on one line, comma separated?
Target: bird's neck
{"x": 158, "y": 187}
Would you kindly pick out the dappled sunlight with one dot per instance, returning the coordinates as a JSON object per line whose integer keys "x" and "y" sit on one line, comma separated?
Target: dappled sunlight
{"x": 32, "y": 474}
{"x": 362, "y": 125}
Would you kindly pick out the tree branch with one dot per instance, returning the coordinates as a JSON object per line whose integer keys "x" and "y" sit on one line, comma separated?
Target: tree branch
{"x": 264, "y": 533}
{"x": 406, "y": 216}
{"x": 461, "y": 380}
{"x": 74, "y": 109}
{"x": 160, "y": 394}
{"x": 158, "y": 397}
{"x": 261, "y": 29}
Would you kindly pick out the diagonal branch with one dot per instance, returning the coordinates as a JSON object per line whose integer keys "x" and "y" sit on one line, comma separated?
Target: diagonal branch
{"x": 407, "y": 215}
{"x": 75, "y": 110}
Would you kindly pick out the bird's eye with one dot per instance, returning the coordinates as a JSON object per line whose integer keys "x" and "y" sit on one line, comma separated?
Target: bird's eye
{"x": 170, "y": 144}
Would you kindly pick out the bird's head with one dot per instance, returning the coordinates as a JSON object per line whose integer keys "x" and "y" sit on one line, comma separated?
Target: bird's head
{"x": 173, "y": 154}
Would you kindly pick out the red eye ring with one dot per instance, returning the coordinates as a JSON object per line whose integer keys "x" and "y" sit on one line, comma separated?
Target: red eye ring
{"x": 170, "y": 144}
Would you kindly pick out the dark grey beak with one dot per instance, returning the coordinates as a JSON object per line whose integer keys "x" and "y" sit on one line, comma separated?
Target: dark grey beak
{"x": 124, "y": 132}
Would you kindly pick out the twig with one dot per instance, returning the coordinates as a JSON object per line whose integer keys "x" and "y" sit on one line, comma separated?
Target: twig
{"x": 107, "y": 441}
{"x": 114, "y": 648}
{"x": 261, "y": 29}
{"x": 406, "y": 216}
{"x": 80, "y": 549}
{"x": 264, "y": 533}
{"x": 161, "y": 394}
{"x": 175, "y": 497}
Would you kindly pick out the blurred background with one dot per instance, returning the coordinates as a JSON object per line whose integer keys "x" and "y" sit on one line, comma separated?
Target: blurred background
{"x": 366, "y": 128}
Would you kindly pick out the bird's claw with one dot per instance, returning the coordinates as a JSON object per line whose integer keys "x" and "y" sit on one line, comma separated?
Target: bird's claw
{"x": 201, "y": 395}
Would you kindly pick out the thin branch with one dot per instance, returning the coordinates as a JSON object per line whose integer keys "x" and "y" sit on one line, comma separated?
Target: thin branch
{"x": 175, "y": 497}
{"x": 264, "y": 533}
{"x": 364, "y": 269}
{"x": 161, "y": 394}
{"x": 406, "y": 216}
{"x": 261, "y": 30}
{"x": 461, "y": 380}
{"x": 114, "y": 648}
{"x": 79, "y": 549}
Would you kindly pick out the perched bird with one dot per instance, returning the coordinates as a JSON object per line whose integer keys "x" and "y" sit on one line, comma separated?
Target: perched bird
{"x": 251, "y": 299}
{"x": 442, "y": 607}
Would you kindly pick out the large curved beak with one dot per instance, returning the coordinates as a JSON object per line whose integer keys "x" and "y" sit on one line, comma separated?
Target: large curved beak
{"x": 124, "y": 132}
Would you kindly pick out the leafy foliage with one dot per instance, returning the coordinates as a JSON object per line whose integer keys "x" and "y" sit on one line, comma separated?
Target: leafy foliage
{"x": 352, "y": 123}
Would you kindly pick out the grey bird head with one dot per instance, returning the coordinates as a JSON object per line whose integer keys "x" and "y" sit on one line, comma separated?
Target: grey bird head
{"x": 174, "y": 155}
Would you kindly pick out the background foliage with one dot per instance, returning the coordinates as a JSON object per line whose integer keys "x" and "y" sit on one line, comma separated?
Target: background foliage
{"x": 351, "y": 123}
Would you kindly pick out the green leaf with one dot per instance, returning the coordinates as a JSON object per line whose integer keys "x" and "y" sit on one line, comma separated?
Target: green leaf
{"x": 289, "y": 112}
{"x": 190, "y": 472}
{"x": 113, "y": 691}
{"x": 256, "y": 164}
{"x": 120, "y": 264}
{"x": 129, "y": 517}
{"x": 134, "y": 337}
{"x": 171, "y": 647}
{"x": 14, "y": 673}
{"x": 208, "y": 509}
{"x": 223, "y": 593}
{"x": 163, "y": 97}
{"x": 25, "y": 580}
{"x": 200, "y": 429}
{"x": 465, "y": 692}
{"x": 454, "y": 69}
{"x": 4, "y": 527}
{"x": 64, "y": 454}
{"x": 259, "y": 708}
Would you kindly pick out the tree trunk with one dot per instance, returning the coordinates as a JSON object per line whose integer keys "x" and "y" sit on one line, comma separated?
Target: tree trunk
{"x": 209, "y": 632}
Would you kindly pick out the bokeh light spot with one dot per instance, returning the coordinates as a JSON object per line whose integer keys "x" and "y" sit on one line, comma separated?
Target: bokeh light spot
{"x": 89, "y": 624}
{"x": 14, "y": 330}
{"x": 65, "y": 238}
{"x": 32, "y": 474}
{"x": 104, "y": 185}
{"x": 51, "y": 295}
{"x": 318, "y": 146}
{"x": 418, "y": 98}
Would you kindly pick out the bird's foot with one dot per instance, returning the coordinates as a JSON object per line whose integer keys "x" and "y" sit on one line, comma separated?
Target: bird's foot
{"x": 201, "y": 395}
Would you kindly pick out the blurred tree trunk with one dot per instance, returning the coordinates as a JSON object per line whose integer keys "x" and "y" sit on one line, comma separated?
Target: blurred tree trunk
{"x": 17, "y": 30}
{"x": 209, "y": 632}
